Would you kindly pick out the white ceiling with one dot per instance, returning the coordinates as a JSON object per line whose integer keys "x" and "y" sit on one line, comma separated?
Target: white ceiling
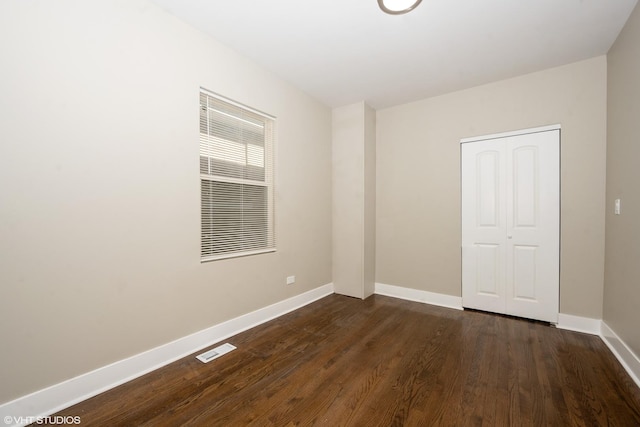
{"x": 346, "y": 51}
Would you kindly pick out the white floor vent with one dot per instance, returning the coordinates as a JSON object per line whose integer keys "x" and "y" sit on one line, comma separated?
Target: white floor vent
{"x": 215, "y": 353}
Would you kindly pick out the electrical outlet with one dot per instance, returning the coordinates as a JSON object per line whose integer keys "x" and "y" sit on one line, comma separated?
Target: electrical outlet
{"x": 291, "y": 280}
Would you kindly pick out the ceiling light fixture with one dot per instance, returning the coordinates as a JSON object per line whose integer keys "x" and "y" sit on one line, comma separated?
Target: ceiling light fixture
{"x": 398, "y": 7}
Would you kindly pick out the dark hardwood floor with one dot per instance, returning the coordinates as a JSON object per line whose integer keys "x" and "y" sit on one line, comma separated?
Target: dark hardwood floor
{"x": 383, "y": 362}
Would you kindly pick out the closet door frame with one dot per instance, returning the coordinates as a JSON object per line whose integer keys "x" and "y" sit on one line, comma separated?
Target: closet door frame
{"x": 494, "y": 237}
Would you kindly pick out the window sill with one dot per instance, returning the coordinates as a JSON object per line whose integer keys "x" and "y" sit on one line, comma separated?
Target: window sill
{"x": 236, "y": 255}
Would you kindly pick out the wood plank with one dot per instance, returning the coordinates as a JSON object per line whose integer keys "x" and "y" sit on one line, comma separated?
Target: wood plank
{"x": 341, "y": 361}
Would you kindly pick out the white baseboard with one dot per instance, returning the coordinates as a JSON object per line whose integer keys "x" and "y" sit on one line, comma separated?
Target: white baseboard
{"x": 409, "y": 294}
{"x": 59, "y": 396}
{"x": 579, "y": 324}
{"x": 627, "y": 358}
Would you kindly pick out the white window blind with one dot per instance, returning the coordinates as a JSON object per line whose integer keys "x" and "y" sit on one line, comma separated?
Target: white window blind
{"x": 236, "y": 179}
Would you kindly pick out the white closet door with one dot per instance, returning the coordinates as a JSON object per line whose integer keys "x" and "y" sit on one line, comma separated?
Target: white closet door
{"x": 511, "y": 225}
{"x": 484, "y": 225}
{"x": 533, "y": 226}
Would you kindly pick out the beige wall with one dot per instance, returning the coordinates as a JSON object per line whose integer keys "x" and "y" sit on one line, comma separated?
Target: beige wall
{"x": 353, "y": 172}
{"x": 369, "y": 226}
{"x": 99, "y": 187}
{"x": 418, "y": 177}
{"x": 622, "y": 261}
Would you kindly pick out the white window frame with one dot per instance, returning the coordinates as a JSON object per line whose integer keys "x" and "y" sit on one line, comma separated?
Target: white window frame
{"x": 239, "y": 166}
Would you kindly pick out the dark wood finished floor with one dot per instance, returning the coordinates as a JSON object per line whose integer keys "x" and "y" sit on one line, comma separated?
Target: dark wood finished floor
{"x": 383, "y": 362}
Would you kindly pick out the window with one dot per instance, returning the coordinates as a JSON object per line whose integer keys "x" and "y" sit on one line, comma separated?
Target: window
{"x": 236, "y": 179}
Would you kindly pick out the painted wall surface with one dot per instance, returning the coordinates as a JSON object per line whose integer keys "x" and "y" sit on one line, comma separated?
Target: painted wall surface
{"x": 418, "y": 177}
{"x": 353, "y": 171}
{"x": 369, "y": 284}
{"x": 99, "y": 187}
{"x": 622, "y": 269}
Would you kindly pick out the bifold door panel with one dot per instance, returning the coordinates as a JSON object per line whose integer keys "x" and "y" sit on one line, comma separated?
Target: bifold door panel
{"x": 510, "y": 225}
